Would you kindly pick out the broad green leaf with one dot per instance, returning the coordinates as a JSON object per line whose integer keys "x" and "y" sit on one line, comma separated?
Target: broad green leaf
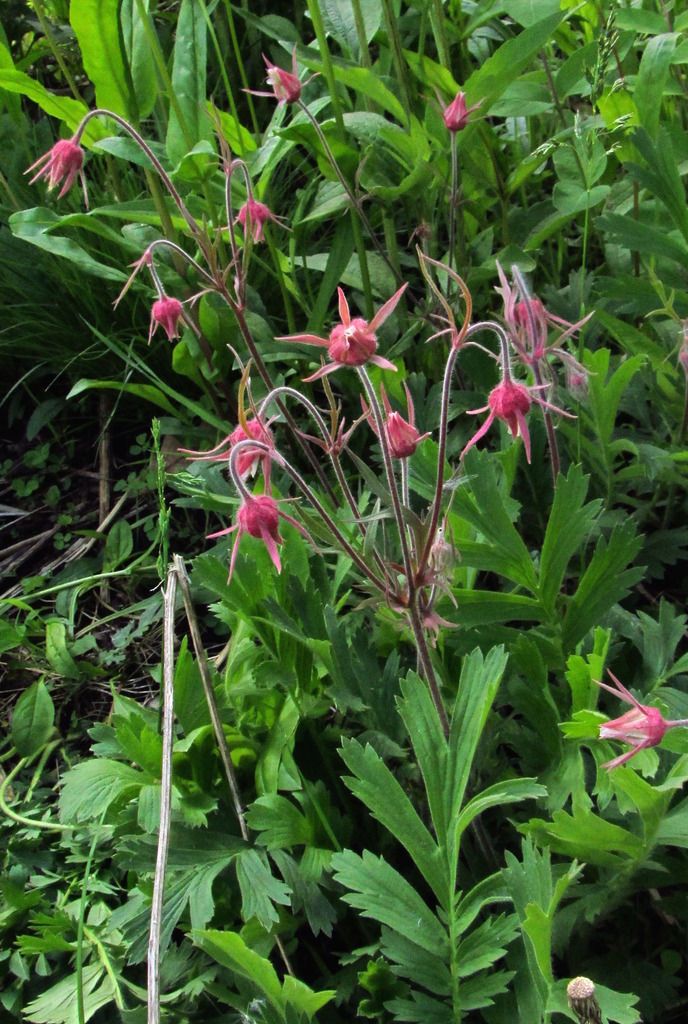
{"x": 482, "y": 607}
{"x": 278, "y": 744}
{"x": 375, "y": 785}
{"x": 230, "y": 950}
{"x": 37, "y": 225}
{"x": 10, "y": 636}
{"x": 33, "y": 718}
{"x": 528, "y": 12}
{"x": 189, "y": 123}
{"x": 57, "y": 652}
{"x": 381, "y": 893}
{"x": 606, "y": 390}
{"x": 138, "y": 56}
{"x": 423, "y": 725}
{"x": 118, "y": 546}
{"x": 478, "y": 685}
{"x": 64, "y": 108}
{"x": 655, "y": 67}
{"x": 661, "y": 175}
{"x": 569, "y": 524}
{"x": 97, "y": 29}
{"x": 91, "y": 786}
{"x": 338, "y": 17}
{"x": 644, "y": 239}
{"x": 368, "y": 83}
{"x": 147, "y": 392}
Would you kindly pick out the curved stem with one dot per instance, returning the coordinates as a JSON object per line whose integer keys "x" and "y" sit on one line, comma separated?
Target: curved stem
{"x": 391, "y": 478}
{"x": 143, "y": 145}
{"x": 168, "y": 244}
{"x": 453, "y": 198}
{"x": 309, "y": 494}
{"x": 436, "y": 507}
{"x": 555, "y": 462}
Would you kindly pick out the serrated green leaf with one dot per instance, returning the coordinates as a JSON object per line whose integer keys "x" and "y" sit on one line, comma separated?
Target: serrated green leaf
{"x": 375, "y": 785}
{"x": 568, "y": 526}
{"x": 91, "y": 786}
{"x": 260, "y": 890}
{"x": 381, "y": 893}
{"x": 280, "y": 823}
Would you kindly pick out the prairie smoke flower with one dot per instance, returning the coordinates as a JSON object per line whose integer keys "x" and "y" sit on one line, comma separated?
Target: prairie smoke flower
{"x": 285, "y": 85}
{"x": 352, "y": 342}
{"x": 528, "y": 321}
{"x": 402, "y": 435}
{"x": 247, "y": 459}
{"x": 253, "y": 216}
{"x": 166, "y": 312}
{"x": 510, "y": 402}
{"x": 456, "y": 113}
{"x": 259, "y": 517}
{"x": 63, "y": 163}
{"x": 642, "y": 727}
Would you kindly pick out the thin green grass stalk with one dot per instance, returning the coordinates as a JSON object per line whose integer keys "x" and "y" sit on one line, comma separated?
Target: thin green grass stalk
{"x": 161, "y": 66}
{"x": 397, "y": 57}
{"x": 223, "y": 71}
{"x": 286, "y": 297}
{"x": 79, "y": 964}
{"x": 437, "y": 26}
{"x": 240, "y": 64}
{"x": 164, "y": 511}
{"x": 55, "y": 49}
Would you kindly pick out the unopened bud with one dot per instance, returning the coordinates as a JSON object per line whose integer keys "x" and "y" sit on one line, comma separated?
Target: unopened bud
{"x": 581, "y": 996}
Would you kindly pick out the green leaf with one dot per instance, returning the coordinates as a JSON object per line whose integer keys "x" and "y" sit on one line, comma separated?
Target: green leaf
{"x": 138, "y": 56}
{"x": 508, "y": 792}
{"x": 569, "y": 524}
{"x": 147, "y": 392}
{"x": 375, "y": 785}
{"x": 340, "y": 23}
{"x": 661, "y": 175}
{"x": 606, "y": 391}
{"x": 118, "y": 546}
{"x": 368, "y": 83}
{"x": 32, "y": 719}
{"x": 91, "y": 786}
{"x": 586, "y": 837}
{"x": 58, "y": 1004}
{"x": 423, "y": 725}
{"x": 606, "y": 580}
{"x": 297, "y": 994}
{"x": 36, "y": 226}
{"x": 57, "y": 652}
{"x": 490, "y": 80}
{"x": 230, "y": 950}
{"x": 528, "y": 12}
{"x": 653, "y": 75}
{"x": 189, "y": 122}
{"x": 62, "y": 107}
{"x": 381, "y": 893}
{"x": 484, "y": 508}
{"x": 482, "y": 607}
{"x": 280, "y": 823}
{"x": 478, "y": 685}
{"x": 259, "y": 889}
{"x": 96, "y": 26}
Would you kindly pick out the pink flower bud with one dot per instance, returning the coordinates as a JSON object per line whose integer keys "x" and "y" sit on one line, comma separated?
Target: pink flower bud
{"x": 642, "y": 727}
{"x": 352, "y": 344}
{"x": 62, "y": 163}
{"x": 252, "y": 216}
{"x": 285, "y": 84}
{"x": 259, "y": 516}
{"x": 166, "y": 313}
{"x": 510, "y": 402}
{"x": 457, "y": 113}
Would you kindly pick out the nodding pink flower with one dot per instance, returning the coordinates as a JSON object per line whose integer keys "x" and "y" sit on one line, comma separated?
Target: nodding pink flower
{"x": 528, "y": 321}
{"x": 166, "y": 313}
{"x": 402, "y": 435}
{"x": 248, "y": 459}
{"x": 259, "y": 517}
{"x": 353, "y": 342}
{"x": 456, "y": 114}
{"x": 510, "y": 402}
{"x": 253, "y": 216}
{"x": 286, "y": 87}
{"x": 63, "y": 163}
{"x": 643, "y": 726}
